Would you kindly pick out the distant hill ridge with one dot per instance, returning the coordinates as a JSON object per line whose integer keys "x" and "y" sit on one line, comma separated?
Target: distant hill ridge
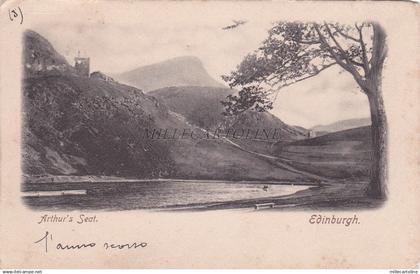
{"x": 179, "y": 71}
{"x": 341, "y": 125}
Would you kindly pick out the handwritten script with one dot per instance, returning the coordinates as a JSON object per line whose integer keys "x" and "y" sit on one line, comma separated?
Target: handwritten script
{"x": 47, "y": 242}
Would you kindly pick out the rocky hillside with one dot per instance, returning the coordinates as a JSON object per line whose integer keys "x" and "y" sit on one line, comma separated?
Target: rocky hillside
{"x": 40, "y": 58}
{"x": 77, "y": 125}
{"x": 180, "y": 71}
{"x": 90, "y": 126}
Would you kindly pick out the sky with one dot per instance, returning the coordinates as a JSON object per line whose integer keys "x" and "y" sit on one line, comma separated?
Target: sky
{"x": 121, "y": 40}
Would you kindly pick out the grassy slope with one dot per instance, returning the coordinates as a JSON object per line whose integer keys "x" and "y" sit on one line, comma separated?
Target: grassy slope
{"x": 342, "y": 155}
{"x": 201, "y": 107}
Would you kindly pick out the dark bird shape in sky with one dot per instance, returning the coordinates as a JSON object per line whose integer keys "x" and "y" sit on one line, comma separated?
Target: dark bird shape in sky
{"x": 235, "y": 25}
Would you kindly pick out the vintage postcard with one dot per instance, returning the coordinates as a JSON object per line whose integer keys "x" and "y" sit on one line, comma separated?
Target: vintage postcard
{"x": 209, "y": 134}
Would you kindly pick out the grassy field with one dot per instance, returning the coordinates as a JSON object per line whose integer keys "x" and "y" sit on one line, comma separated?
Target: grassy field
{"x": 340, "y": 155}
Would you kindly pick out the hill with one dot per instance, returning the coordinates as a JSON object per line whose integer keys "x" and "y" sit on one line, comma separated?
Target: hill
{"x": 76, "y": 125}
{"x": 201, "y": 106}
{"x": 341, "y": 155}
{"x": 41, "y": 59}
{"x": 89, "y": 126}
{"x": 180, "y": 71}
{"x": 341, "y": 125}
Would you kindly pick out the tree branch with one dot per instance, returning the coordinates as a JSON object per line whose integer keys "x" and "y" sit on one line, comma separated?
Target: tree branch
{"x": 309, "y": 42}
{"x": 364, "y": 54}
{"x": 301, "y": 79}
{"x": 379, "y": 46}
{"x": 344, "y": 65}
{"x": 356, "y": 63}
{"x": 343, "y": 52}
{"x": 345, "y": 35}
{"x": 279, "y": 71}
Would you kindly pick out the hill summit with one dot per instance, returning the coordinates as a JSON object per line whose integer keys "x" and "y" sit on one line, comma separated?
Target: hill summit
{"x": 179, "y": 71}
{"x": 41, "y": 59}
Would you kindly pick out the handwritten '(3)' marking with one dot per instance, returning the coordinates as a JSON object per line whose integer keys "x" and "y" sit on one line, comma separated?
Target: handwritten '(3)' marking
{"x": 14, "y": 14}
{"x": 48, "y": 238}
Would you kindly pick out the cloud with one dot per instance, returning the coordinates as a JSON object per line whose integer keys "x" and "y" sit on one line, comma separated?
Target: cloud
{"x": 324, "y": 99}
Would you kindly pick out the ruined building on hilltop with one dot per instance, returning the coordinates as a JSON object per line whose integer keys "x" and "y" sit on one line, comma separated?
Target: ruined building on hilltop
{"x": 101, "y": 76}
{"x": 81, "y": 64}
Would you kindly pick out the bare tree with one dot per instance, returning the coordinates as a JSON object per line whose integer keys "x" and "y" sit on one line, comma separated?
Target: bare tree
{"x": 294, "y": 52}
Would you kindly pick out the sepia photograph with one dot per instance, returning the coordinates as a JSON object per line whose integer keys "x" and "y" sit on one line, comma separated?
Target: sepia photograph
{"x": 293, "y": 119}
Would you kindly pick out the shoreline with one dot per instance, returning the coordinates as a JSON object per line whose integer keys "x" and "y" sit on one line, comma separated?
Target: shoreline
{"x": 341, "y": 196}
{"x": 113, "y": 180}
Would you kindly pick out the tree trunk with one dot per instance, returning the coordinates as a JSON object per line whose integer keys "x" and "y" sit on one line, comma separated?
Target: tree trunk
{"x": 378, "y": 172}
{"x": 373, "y": 89}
